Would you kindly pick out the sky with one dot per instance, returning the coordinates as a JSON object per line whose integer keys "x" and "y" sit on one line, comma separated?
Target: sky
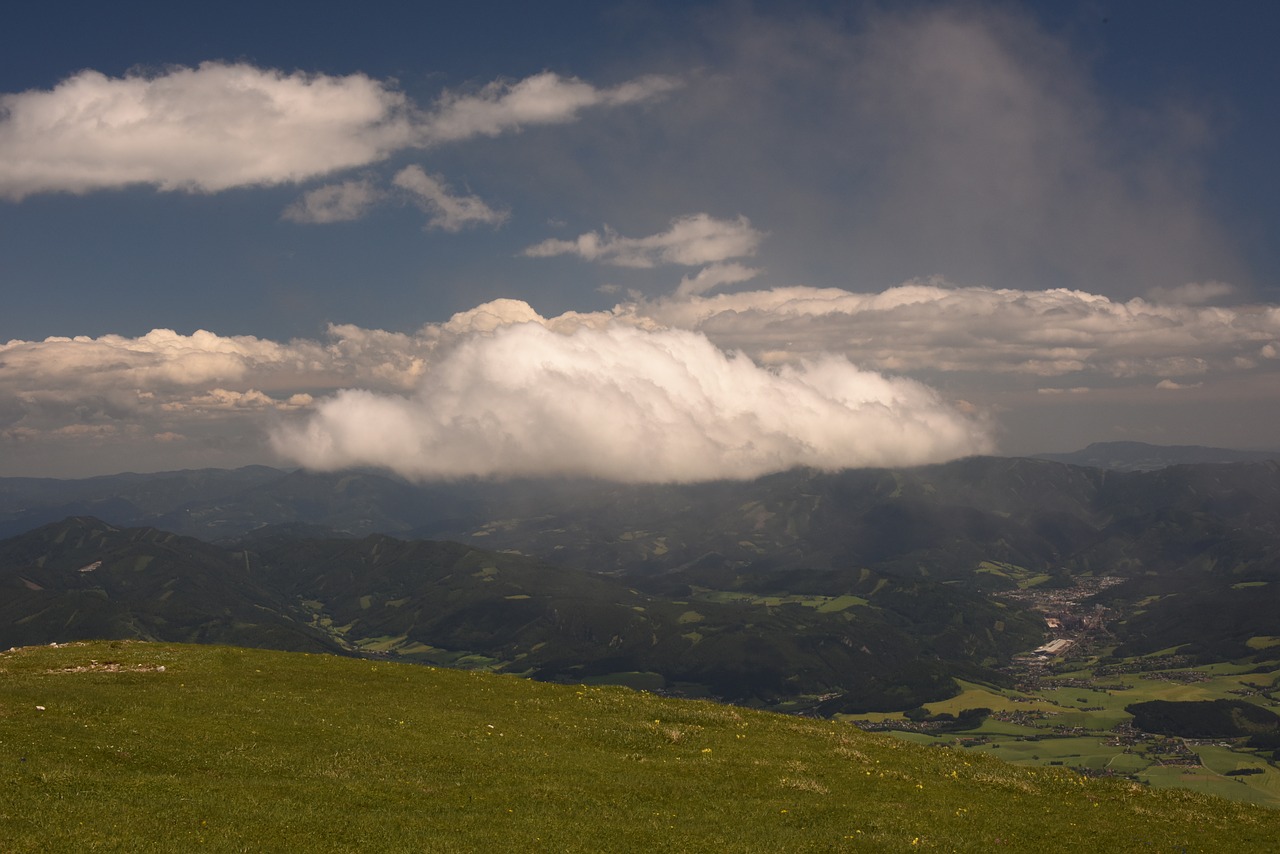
{"x": 641, "y": 241}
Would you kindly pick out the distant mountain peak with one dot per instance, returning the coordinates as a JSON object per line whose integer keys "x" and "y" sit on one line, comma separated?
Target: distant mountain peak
{"x": 1126, "y": 455}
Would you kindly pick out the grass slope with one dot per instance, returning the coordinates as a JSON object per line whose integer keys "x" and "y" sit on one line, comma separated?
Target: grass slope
{"x": 227, "y": 749}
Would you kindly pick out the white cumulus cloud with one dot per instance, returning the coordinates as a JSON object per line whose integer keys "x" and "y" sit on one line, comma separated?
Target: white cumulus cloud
{"x": 205, "y": 129}
{"x": 163, "y": 371}
{"x": 630, "y": 405}
{"x": 222, "y": 125}
{"x": 170, "y": 400}
{"x": 727, "y": 385}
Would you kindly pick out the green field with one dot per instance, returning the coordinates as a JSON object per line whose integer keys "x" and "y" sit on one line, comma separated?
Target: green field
{"x": 1020, "y": 576}
{"x": 971, "y": 696}
{"x": 1098, "y": 711}
{"x": 823, "y": 604}
{"x": 126, "y": 746}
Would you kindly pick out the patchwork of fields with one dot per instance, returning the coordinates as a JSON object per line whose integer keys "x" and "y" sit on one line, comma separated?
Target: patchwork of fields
{"x": 1084, "y": 726}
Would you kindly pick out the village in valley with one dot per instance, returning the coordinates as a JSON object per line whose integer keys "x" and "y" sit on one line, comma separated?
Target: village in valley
{"x": 1064, "y": 705}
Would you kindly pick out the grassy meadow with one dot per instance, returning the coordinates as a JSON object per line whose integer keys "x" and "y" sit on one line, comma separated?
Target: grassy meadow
{"x": 127, "y": 746}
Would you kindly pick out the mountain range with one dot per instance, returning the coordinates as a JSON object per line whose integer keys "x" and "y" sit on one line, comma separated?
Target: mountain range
{"x": 856, "y": 590}
{"x": 1141, "y": 456}
{"x": 446, "y": 603}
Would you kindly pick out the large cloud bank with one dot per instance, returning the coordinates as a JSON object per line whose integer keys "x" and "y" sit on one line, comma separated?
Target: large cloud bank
{"x": 629, "y": 405}
{"x": 677, "y": 388}
{"x": 220, "y": 125}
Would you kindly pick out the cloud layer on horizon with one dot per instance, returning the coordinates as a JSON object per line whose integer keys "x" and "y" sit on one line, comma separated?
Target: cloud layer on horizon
{"x": 755, "y": 374}
{"x": 935, "y": 327}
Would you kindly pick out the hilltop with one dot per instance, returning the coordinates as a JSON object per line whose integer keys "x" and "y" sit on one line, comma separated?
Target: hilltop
{"x": 124, "y": 746}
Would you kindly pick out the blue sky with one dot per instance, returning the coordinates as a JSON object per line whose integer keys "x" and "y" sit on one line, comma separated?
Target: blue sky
{"x": 918, "y": 230}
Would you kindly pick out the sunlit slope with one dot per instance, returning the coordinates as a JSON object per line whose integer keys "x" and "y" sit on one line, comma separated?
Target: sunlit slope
{"x": 227, "y": 749}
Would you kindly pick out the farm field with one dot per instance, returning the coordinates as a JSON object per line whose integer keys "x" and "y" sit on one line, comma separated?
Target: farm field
{"x": 1084, "y": 725}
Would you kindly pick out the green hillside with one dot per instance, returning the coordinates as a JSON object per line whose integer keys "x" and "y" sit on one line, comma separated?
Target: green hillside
{"x": 84, "y": 579}
{"x": 126, "y": 746}
{"x": 878, "y": 644}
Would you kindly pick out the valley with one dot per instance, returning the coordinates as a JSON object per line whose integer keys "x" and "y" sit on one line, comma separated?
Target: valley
{"x": 1067, "y": 707}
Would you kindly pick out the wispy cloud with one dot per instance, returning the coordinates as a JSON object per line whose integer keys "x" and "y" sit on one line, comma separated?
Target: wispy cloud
{"x": 546, "y": 98}
{"x": 446, "y": 211}
{"x": 712, "y": 277}
{"x": 343, "y": 202}
{"x": 691, "y": 241}
{"x": 1191, "y": 293}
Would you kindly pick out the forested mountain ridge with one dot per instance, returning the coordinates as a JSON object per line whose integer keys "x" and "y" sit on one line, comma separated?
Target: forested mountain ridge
{"x": 909, "y": 559}
{"x": 447, "y": 603}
